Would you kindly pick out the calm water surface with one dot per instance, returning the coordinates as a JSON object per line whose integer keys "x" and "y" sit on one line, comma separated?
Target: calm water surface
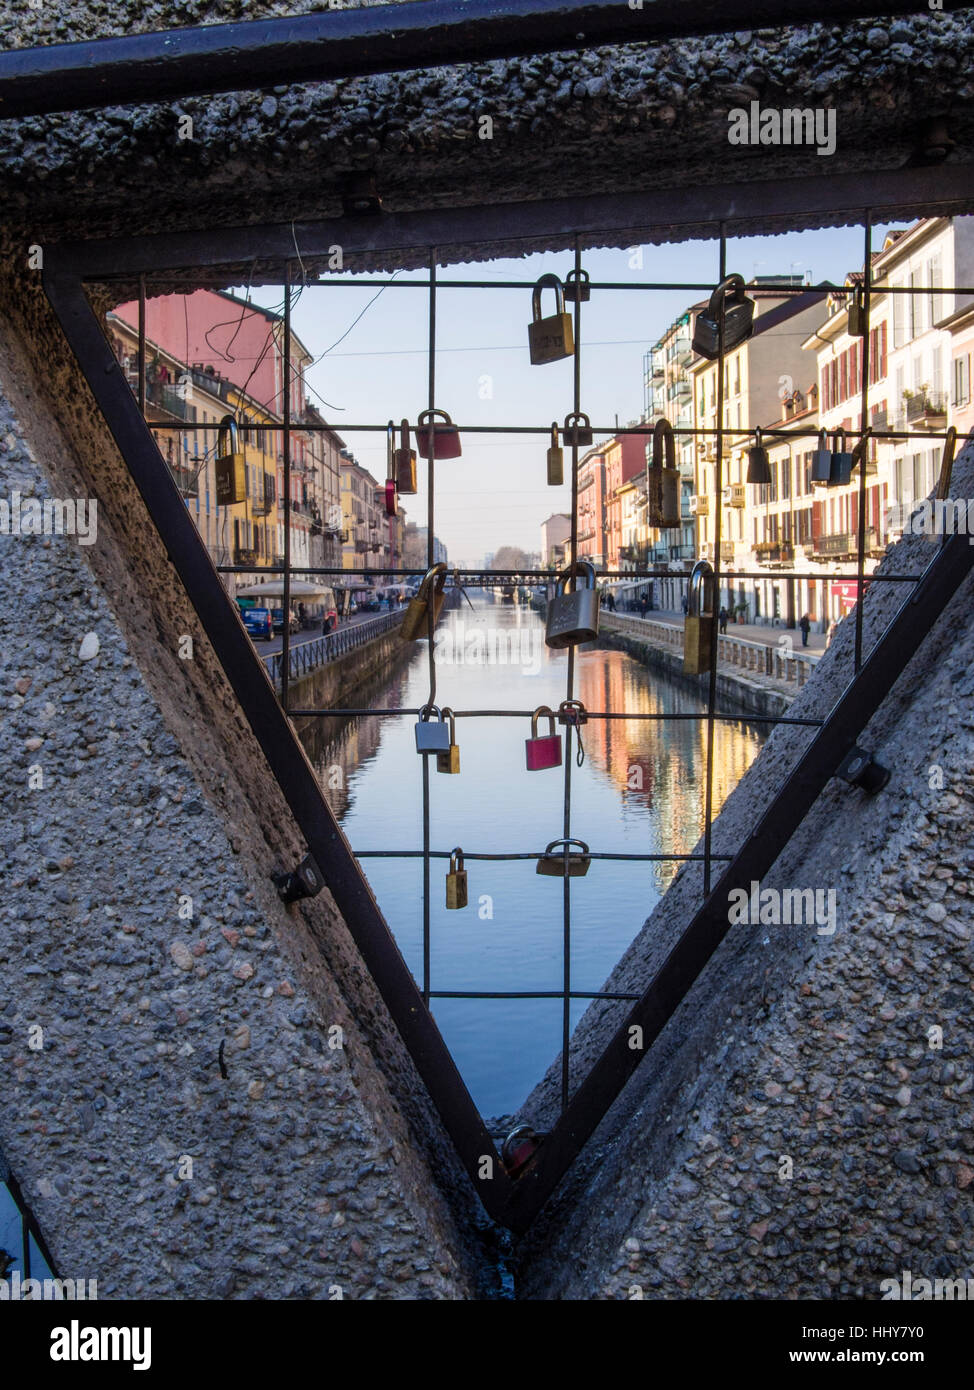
{"x": 640, "y": 790}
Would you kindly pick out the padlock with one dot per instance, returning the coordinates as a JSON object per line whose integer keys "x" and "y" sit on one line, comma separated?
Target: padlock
{"x": 456, "y": 881}
{"x": 391, "y": 498}
{"x": 861, "y": 452}
{"x": 556, "y": 459}
{"x": 518, "y": 1149}
{"x": 572, "y": 712}
{"x": 446, "y": 436}
{"x": 856, "y": 322}
{"x": 574, "y": 432}
{"x": 573, "y": 616}
{"x": 542, "y": 750}
{"x": 432, "y": 735}
{"x": 699, "y": 627}
{"x": 550, "y": 339}
{"x": 663, "y": 480}
{"x": 578, "y": 287}
{"x": 404, "y": 460}
{"x": 561, "y": 863}
{"x": 231, "y": 467}
{"x": 821, "y": 462}
{"x": 450, "y": 760}
{"x": 738, "y": 319}
{"x": 840, "y": 471}
{"x": 758, "y": 463}
{"x": 430, "y": 592}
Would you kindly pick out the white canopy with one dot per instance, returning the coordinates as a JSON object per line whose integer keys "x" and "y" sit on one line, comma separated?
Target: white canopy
{"x": 274, "y": 588}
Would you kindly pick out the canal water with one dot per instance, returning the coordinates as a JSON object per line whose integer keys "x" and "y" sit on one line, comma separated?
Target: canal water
{"x": 640, "y": 790}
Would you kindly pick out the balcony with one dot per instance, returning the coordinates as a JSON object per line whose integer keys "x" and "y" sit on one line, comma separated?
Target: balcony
{"x": 264, "y": 501}
{"x": 735, "y": 495}
{"x": 844, "y": 547}
{"x": 167, "y": 398}
{"x": 726, "y": 552}
{"x": 186, "y": 480}
{"x": 699, "y": 506}
{"x": 771, "y": 551}
{"x": 245, "y": 557}
{"x": 923, "y": 408}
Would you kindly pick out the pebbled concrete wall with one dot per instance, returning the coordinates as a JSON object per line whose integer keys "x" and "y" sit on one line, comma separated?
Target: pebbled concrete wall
{"x": 804, "y": 1046}
{"x": 313, "y": 1168}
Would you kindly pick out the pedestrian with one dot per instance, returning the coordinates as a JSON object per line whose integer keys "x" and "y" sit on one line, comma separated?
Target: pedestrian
{"x": 610, "y": 601}
{"x": 831, "y": 632}
{"x": 686, "y": 605}
{"x": 643, "y": 605}
{"x": 806, "y": 626}
{"x": 722, "y": 616}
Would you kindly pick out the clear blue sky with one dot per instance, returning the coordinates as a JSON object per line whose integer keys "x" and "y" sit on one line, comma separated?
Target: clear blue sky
{"x": 496, "y": 494}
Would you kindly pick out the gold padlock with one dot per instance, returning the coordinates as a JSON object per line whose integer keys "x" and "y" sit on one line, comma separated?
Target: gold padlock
{"x": 231, "y": 467}
{"x": 415, "y": 624}
{"x": 404, "y": 460}
{"x": 699, "y": 630}
{"x": 456, "y": 881}
{"x": 450, "y": 760}
{"x": 550, "y": 339}
{"x": 856, "y": 320}
{"x": 560, "y": 862}
{"x": 556, "y": 459}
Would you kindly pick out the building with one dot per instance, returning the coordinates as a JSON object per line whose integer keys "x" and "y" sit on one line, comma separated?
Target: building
{"x": 556, "y": 534}
{"x": 960, "y": 325}
{"x": 593, "y": 517}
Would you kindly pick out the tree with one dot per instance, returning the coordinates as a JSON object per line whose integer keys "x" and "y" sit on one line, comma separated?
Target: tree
{"x": 510, "y": 557}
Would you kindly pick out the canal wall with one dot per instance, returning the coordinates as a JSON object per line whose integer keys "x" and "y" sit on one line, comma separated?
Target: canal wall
{"x": 802, "y": 1128}
{"x": 335, "y": 683}
{"x": 175, "y": 1103}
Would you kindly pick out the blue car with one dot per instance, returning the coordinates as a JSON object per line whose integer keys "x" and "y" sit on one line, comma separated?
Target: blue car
{"x": 258, "y": 623}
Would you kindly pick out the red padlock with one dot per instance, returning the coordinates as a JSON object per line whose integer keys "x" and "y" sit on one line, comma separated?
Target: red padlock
{"x": 543, "y": 750}
{"x": 518, "y": 1149}
{"x": 446, "y": 436}
{"x": 392, "y": 498}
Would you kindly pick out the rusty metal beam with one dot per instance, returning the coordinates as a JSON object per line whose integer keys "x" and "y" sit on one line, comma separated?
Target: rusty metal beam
{"x": 175, "y": 63}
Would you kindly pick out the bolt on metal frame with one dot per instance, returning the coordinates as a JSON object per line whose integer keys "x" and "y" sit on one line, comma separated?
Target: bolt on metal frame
{"x": 270, "y": 253}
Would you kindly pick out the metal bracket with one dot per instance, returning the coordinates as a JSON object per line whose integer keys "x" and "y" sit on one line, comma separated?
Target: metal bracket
{"x": 303, "y": 882}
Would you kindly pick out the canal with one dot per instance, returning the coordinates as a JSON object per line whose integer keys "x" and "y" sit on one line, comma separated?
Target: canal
{"x": 640, "y": 790}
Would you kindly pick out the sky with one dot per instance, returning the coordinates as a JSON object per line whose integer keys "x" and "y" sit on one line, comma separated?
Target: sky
{"x": 370, "y": 345}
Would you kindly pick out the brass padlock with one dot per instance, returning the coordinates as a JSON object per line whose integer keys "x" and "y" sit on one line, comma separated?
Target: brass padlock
{"x": 663, "y": 481}
{"x": 577, "y": 287}
{"x": 550, "y": 339}
{"x": 404, "y": 460}
{"x": 231, "y": 467}
{"x": 415, "y": 625}
{"x": 450, "y": 760}
{"x": 700, "y": 627}
{"x": 562, "y": 863}
{"x": 556, "y": 459}
{"x": 738, "y": 319}
{"x": 856, "y": 321}
{"x": 444, "y": 437}
{"x": 456, "y": 881}
{"x": 573, "y": 616}
{"x": 574, "y": 432}
{"x": 758, "y": 463}
{"x": 432, "y": 736}
{"x": 843, "y": 460}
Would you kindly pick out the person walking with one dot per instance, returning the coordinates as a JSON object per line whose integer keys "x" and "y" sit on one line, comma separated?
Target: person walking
{"x": 806, "y": 626}
{"x": 722, "y": 616}
{"x": 643, "y": 605}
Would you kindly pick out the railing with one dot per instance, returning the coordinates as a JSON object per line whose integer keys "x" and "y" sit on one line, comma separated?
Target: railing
{"x": 845, "y": 544}
{"x": 168, "y": 398}
{"x": 304, "y": 657}
{"x": 792, "y": 667}
{"x": 186, "y": 480}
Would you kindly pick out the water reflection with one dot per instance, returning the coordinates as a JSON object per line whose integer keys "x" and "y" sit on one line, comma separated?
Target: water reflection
{"x": 640, "y": 790}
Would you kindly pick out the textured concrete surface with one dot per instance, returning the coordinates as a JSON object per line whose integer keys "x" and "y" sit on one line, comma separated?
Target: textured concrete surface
{"x": 139, "y": 931}
{"x": 609, "y": 120}
{"x": 801, "y": 1046}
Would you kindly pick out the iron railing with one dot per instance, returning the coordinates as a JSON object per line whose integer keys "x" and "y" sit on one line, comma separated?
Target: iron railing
{"x": 305, "y": 657}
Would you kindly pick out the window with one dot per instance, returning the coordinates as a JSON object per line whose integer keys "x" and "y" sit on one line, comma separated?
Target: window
{"x": 962, "y": 379}
{"x": 899, "y": 306}
{"x": 935, "y": 280}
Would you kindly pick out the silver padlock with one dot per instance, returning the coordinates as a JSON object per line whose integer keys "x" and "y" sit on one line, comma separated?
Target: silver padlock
{"x": 573, "y": 614}
{"x": 432, "y": 736}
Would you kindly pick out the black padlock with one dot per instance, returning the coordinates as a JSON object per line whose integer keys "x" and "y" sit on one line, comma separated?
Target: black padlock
{"x": 738, "y": 319}
{"x": 574, "y": 432}
{"x": 758, "y": 463}
{"x": 577, "y": 287}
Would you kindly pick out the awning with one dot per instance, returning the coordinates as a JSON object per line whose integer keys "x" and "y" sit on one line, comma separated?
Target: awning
{"x": 274, "y": 588}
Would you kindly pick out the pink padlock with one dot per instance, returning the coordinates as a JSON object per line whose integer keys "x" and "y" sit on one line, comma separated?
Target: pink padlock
{"x": 445, "y": 436}
{"x": 543, "y": 750}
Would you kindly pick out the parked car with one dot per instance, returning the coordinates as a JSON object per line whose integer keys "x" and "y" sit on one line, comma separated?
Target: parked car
{"x": 278, "y": 615}
{"x": 258, "y": 623}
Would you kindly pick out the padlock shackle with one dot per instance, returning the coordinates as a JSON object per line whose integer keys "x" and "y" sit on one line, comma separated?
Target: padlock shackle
{"x": 227, "y": 427}
{"x": 547, "y": 281}
{"x": 456, "y": 860}
{"x": 823, "y": 441}
{"x": 732, "y": 286}
{"x": 581, "y": 843}
{"x": 577, "y": 276}
{"x": 428, "y": 415}
{"x": 758, "y": 438}
{"x": 575, "y": 417}
{"x": 438, "y": 572}
{"x": 543, "y": 712}
{"x": 663, "y": 431}
{"x": 572, "y": 704}
{"x": 554, "y": 434}
{"x": 404, "y": 434}
{"x": 838, "y": 439}
{"x": 426, "y": 714}
{"x": 571, "y": 572}
{"x": 701, "y": 579}
{"x": 447, "y": 716}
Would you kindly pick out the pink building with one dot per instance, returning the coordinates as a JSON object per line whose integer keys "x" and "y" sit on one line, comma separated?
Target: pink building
{"x": 959, "y": 403}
